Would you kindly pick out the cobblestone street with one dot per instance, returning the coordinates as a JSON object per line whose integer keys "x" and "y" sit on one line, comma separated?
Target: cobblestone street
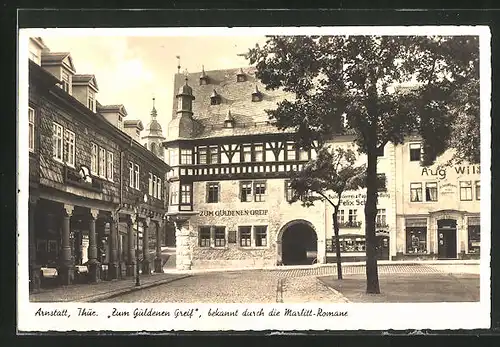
{"x": 271, "y": 286}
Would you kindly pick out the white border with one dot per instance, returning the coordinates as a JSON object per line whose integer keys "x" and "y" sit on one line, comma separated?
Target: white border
{"x": 360, "y": 316}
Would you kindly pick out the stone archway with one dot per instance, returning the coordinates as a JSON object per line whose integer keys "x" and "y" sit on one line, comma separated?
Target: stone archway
{"x": 297, "y": 243}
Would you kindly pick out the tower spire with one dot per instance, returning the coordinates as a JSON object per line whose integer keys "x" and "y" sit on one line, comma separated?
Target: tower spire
{"x": 178, "y": 63}
{"x": 153, "y": 110}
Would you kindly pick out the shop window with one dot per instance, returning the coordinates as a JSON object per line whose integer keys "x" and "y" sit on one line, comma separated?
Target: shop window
{"x": 415, "y": 151}
{"x": 416, "y": 240}
{"x": 260, "y": 191}
{"x": 246, "y": 191}
{"x": 245, "y": 236}
{"x": 220, "y": 236}
{"x": 204, "y": 237}
{"x": 260, "y": 236}
{"x": 416, "y": 192}
{"x": 478, "y": 190}
{"x": 213, "y": 190}
{"x": 431, "y": 191}
{"x": 350, "y": 244}
{"x": 466, "y": 190}
{"x": 474, "y": 238}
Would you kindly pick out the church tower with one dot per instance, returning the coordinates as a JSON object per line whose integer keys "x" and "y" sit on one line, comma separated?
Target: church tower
{"x": 154, "y": 135}
{"x": 182, "y": 124}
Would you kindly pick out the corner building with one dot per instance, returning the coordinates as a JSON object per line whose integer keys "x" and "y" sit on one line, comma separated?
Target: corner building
{"x": 229, "y": 182}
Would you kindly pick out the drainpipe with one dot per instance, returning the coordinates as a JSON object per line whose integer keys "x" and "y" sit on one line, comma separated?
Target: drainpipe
{"x": 122, "y": 152}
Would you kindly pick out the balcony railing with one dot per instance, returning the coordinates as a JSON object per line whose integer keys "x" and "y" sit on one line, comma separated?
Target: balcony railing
{"x": 381, "y": 225}
{"x": 72, "y": 177}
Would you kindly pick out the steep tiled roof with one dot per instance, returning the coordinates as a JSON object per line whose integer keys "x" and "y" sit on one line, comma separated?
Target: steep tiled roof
{"x": 249, "y": 117}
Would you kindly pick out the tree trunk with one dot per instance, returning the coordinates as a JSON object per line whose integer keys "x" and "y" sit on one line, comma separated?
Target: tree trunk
{"x": 337, "y": 243}
{"x": 372, "y": 283}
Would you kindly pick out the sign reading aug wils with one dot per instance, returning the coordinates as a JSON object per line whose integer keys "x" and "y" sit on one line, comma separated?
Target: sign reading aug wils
{"x": 233, "y": 213}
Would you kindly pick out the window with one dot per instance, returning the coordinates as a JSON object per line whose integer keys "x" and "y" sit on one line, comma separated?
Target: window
{"x": 416, "y": 240}
{"x": 247, "y": 153}
{"x": 341, "y": 216}
{"x": 174, "y": 194}
{"x": 185, "y": 194}
{"x": 91, "y": 101}
{"x": 290, "y": 152}
{"x": 382, "y": 182}
{"x": 120, "y": 122}
{"x": 136, "y": 176}
{"x": 246, "y": 191}
{"x": 380, "y": 151}
{"x": 303, "y": 155}
{"x": 258, "y": 152}
{"x": 204, "y": 236}
{"x": 466, "y": 190}
{"x": 102, "y": 162}
{"x": 240, "y": 78}
{"x": 31, "y": 135}
{"x": 220, "y": 236}
{"x": 245, "y": 236}
{"x": 131, "y": 174}
{"x": 351, "y": 243}
{"x": 353, "y": 216}
{"x": 57, "y": 141}
{"x": 474, "y": 238}
{"x": 214, "y": 154}
{"x": 109, "y": 173}
{"x": 154, "y": 188}
{"x": 202, "y": 155}
{"x": 93, "y": 159}
{"x": 65, "y": 81}
{"x": 416, "y": 192}
{"x": 260, "y": 191}
{"x": 478, "y": 190}
{"x": 186, "y": 156}
{"x": 158, "y": 188}
{"x": 213, "y": 192}
{"x": 431, "y": 191}
{"x": 381, "y": 218}
{"x": 289, "y": 191}
{"x": 173, "y": 157}
{"x": 260, "y": 236}
{"x": 150, "y": 181}
{"x": 415, "y": 151}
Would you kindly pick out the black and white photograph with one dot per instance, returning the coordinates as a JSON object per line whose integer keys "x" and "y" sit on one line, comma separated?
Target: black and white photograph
{"x": 324, "y": 178}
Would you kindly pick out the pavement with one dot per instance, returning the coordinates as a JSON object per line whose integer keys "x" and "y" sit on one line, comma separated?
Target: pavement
{"x": 279, "y": 284}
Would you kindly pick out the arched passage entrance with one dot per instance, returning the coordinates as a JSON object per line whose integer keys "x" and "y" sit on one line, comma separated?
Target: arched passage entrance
{"x": 299, "y": 243}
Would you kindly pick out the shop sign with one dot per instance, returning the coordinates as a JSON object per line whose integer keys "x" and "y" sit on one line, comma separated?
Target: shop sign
{"x": 461, "y": 170}
{"x": 233, "y": 213}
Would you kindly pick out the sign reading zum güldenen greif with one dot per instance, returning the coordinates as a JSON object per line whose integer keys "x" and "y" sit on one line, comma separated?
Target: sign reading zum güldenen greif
{"x": 233, "y": 213}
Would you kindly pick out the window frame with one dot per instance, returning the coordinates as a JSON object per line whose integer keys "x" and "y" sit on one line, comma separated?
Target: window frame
{"x": 102, "y": 161}
{"x": 91, "y": 100}
{"x": 186, "y": 156}
{"x": 246, "y": 149}
{"x": 31, "y": 129}
{"x": 381, "y": 218}
{"x": 186, "y": 193}
{"x": 150, "y": 184}
{"x": 261, "y": 230}
{"x": 174, "y": 194}
{"x": 290, "y": 148}
{"x": 110, "y": 165}
{"x": 57, "y": 142}
{"x": 463, "y": 187}
{"x": 245, "y": 185}
{"x": 131, "y": 174}
{"x": 94, "y": 159}
{"x": 224, "y": 241}
{"x": 259, "y": 197}
{"x": 408, "y": 241}
{"x": 202, "y": 241}
{"x": 213, "y": 185}
{"x": 419, "y": 188}
{"x": 202, "y": 152}
{"x": 136, "y": 176}
{"x": 477, "y": 186}
{"x": 261, "y": 153}
{"x": 66, "y": 83}
{"x": 245, "y": 229}
{"x": 410, "y": 149}
{"x": 428, "y": 186}
{"x": 289, "y": 191}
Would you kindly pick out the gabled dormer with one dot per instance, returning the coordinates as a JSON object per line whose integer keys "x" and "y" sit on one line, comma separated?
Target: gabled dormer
{"x": 241, "y": 76}
{"x": 257, "y": 95}
{"x": 215, "y": 98}
{"x": 203, "y": 77}
{"x": 114, "y": 114}
{"x": 60, "y": 65}
{"x": 85, "y": 90}
{"x": 229, "y": 120}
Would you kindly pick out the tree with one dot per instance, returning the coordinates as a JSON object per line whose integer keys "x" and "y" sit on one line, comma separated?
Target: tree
{"x": 329, "y": 175}
{"x": 361, "y": 78}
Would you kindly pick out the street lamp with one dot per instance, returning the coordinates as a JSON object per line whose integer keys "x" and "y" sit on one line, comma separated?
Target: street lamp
{"x": 137, "y": 252}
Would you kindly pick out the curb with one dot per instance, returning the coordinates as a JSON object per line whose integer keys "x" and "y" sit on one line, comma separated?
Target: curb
{"x": 113, "y": 294}
{"x": 334, "y": 291}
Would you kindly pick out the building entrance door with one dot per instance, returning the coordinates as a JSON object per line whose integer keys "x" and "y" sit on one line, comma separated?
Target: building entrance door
{"x": 382, "y": 246}
{"x": 299, "y": 245}
{"x": 447, "y": 239}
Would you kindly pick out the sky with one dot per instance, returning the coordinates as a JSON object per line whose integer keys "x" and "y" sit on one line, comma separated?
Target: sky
{"x": 132, "y": 70}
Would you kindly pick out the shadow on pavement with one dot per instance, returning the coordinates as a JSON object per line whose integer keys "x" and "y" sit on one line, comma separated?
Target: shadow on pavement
{"x": 409, "y": 288}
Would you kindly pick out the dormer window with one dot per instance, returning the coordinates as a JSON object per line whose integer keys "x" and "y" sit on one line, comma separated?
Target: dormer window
{"x": 120, "y": 122}
{"x": 241, "y": 77}
{"x": 215, "y": 98}
{"x": 203, "y": 77}
{"x": 91, "y": 101}
{"x": 257, "y": 95}
{"x": 65, "y": 81}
